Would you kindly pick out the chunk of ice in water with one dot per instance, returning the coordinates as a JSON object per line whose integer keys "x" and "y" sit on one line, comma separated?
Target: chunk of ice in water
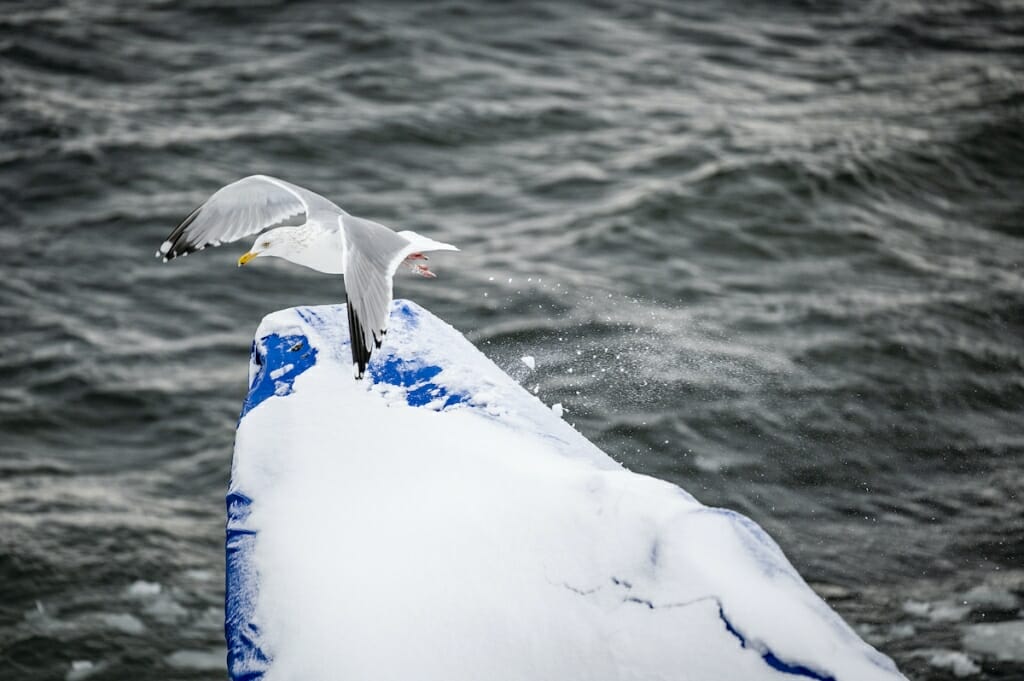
{"x": 123, "y": 622}
{"x": 1003, "y": 641}
{"x": 80, "y": 669}
{"x": 165, "y": 609}
{"x": 960, "y": 664}
{"x": 986, "y": 597}
{"x": 529, "y": 361}
{"x": 198, "y": 660}
{"x": 143, "y": 589}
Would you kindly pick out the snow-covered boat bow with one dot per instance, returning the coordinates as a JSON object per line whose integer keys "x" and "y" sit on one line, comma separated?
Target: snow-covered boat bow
{"x": 441, "y": 523}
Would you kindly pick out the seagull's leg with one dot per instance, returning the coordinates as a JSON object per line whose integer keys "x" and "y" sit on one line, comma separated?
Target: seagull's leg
{"x": 417, "y": 268}
{"x": 423, "y": 271}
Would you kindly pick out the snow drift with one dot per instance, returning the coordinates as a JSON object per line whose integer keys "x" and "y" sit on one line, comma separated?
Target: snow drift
{"x": 438, "y": 522}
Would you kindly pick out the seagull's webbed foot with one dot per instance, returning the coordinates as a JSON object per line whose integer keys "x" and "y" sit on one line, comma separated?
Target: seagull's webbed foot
{"x": 417, "y": 268}
{"x": 423, "y": 271}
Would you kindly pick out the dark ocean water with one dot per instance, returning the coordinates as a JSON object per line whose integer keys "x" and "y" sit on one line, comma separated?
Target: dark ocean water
{"x": 769, "y": 251}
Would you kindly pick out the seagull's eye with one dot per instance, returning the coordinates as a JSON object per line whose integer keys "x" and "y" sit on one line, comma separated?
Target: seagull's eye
{"x": 265, "y": 244}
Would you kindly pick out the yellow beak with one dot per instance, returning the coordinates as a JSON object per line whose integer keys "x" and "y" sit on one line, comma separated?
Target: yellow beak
{"x": 246, "y": 257}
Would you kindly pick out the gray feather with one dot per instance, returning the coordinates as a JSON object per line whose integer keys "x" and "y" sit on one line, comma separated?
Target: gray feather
{"x": 249, "y": 206}
{"x": 373, "y": 254}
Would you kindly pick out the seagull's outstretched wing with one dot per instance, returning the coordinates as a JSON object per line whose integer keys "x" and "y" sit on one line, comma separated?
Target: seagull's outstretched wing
{"x": 373, "y": 253}
{"x": 248, "y": 206}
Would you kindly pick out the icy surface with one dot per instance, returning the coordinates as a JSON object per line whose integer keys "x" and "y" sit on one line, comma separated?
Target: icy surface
{"x": 440, "y": 522}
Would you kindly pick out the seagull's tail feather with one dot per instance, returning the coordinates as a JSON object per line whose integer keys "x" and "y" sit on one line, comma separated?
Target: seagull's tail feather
{"x": 373, "y": 253}
{"x": 423, "y": 243}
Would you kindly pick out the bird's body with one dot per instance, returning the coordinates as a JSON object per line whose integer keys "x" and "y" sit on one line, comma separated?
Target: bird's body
{"x": 309, "y": 230}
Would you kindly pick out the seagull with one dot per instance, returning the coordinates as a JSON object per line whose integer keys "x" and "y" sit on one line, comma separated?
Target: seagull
{"x": 303, "y": 227}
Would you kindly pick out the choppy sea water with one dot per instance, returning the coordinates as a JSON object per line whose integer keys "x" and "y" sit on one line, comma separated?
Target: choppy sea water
{"x": 771, "y": 252}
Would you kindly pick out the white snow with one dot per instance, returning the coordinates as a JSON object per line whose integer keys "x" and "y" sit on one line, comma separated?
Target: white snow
{"x": 281, "y": 371}
{"x": 490, "y": 540}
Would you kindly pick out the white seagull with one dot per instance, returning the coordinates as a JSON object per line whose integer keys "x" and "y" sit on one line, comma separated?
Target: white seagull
{"x": 305, "y": 228}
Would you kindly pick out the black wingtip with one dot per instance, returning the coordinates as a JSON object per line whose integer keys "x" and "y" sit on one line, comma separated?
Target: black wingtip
{"x": 360, "y": 353}
{"x": 177, "y": 244}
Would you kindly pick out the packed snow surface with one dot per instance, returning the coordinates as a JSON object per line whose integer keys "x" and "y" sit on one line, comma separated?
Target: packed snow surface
{"x": 438, "y": 522}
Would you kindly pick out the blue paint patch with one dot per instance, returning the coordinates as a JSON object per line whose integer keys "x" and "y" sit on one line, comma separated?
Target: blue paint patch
{"x": 454, "y": 399}
{"x": 416, "y": 378}
{"x": 310, "y": 316}
{"x": 406, "y": 311}
{"x": 770, "y": 658}
{"x": 246, "y": 660}
{"x": 282, "y": 360}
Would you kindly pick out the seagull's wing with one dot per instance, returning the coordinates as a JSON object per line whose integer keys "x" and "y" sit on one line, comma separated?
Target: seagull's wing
{"x": 373, "y": 253}
{"x": 248, "y": 206}
{"x": 423, "y": 243}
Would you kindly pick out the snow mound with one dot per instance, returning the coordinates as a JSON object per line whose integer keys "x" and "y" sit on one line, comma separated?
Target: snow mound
{"x": 438, "y": 522}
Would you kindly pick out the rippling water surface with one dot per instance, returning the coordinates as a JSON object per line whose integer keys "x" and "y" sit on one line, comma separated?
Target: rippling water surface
{"x": 769, "y": 251}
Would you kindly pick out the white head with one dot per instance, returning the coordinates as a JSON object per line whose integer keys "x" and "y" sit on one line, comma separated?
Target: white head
{"x": 280, "y": 242}
{"x": 318, "y": 249}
